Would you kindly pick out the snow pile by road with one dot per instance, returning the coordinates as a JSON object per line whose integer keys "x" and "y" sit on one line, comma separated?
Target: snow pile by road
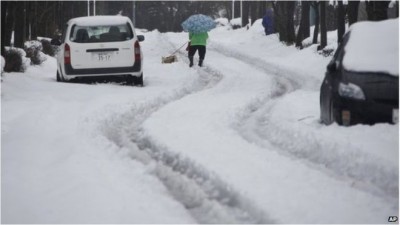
{"x": 236, "y": 141}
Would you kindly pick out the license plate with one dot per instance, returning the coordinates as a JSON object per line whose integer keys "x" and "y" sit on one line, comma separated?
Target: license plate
{"x": 395, "y": 116}
{"x": 102, "y": 56}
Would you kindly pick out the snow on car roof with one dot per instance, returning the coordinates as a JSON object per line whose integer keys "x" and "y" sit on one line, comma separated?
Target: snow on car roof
{"x": 99, "y": 20}
{"x": 373, "y": 47}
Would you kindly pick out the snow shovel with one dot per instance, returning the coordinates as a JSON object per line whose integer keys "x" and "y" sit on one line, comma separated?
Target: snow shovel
{"x": 171, "y": 58}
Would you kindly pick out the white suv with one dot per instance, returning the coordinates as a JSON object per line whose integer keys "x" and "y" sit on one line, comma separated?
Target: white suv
{"x": 100, "y": 46}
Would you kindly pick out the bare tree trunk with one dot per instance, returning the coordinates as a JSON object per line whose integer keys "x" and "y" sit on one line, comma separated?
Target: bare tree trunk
{"x": 237, "y": 9}
{"x": 316, "y": 29}
{"x": 331, "y": 17}
{"x": 290, "y": 23}
{"x": 304, "y": 29}
{"x": 245, "y": 16}
{"x": 27, "y": 19}
{"x": 352, "y": 11}
{"x": 377, "y": 10}
{"x": 262, "y": 9}
{"x": 277, "y": 25}
{"x": 34, "y": 20}
{"x": 341, "y": 21}
{"x": 9, "y": 22}
{"x": 284, "y": 11}
{"x": 280, "y": 20}
{"x": 323, "y": 25}
{"x": 253, "y": 11}
{"x": 19, "y": 25}
{"x": 4, "y": 6}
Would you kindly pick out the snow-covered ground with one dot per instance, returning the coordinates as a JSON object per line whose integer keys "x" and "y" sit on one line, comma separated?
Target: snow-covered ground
{"x": 236, "y": 141}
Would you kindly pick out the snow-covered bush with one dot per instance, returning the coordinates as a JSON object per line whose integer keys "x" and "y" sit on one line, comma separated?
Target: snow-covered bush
{"x": 223, "y": 23}
{"x": 236, "y": 23}
{"x": 48, "y": 48}
{"x": 33, "y": 51}
{"x": 34, "y": 54}
{"x": 14, "y": 60}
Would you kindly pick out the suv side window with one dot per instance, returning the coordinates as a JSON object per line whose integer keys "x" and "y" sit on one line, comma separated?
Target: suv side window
{"x": 71, "y": 33}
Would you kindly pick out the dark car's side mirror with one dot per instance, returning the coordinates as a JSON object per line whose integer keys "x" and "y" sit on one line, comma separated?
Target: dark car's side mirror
{"x": 332, "y": 66}
{"x": 140, "y": 38}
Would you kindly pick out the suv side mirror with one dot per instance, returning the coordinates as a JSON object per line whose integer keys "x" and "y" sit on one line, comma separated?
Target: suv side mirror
{"x": 140, "y": 38}
{"x": 55, "y": 42}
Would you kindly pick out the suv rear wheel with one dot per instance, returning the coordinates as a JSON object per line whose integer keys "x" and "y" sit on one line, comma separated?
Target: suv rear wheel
{"x": 133, "y": 80}
{"x": 60, "y": 78}
{"x": 139, "y": 80}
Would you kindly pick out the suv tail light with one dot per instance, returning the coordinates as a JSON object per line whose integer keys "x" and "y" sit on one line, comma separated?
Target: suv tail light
{"x": 67, "y": 54}
{"x": 137, "y": 51}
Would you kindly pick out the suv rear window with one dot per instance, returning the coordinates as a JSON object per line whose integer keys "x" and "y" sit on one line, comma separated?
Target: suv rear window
{"x": 108, "y": 33}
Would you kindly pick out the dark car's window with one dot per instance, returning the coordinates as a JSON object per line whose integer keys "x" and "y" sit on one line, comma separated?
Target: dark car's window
{"x": 105, "y": 33}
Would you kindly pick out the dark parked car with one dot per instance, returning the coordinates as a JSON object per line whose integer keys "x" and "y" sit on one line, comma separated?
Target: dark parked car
{"x": 361, "y": 84}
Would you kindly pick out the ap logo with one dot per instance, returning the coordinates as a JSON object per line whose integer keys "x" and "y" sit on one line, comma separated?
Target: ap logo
{"x": 393, "y": 219}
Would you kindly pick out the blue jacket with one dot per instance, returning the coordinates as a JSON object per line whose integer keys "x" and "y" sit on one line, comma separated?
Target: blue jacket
{"x": 268, "y": 22}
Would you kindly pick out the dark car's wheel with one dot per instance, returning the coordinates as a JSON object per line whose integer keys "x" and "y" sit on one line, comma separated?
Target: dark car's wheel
{"x": 60, "y": 78}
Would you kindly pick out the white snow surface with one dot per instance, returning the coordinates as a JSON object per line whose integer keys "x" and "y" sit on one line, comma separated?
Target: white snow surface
{"x": 373, "y": 47}
{"x": 236, "y": 21}
{"x": 236, "y": 141}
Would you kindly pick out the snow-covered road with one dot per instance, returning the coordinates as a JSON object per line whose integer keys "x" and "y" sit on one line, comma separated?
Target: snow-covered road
{"x": 237, "y": 141}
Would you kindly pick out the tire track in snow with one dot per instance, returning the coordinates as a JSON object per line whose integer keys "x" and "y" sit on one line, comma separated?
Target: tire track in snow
{"x": 361, "y": 172}
{"x": 204, "y": 194}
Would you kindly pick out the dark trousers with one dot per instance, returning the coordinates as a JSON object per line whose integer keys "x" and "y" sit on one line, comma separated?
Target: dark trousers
{"x": 194, "y": 48}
